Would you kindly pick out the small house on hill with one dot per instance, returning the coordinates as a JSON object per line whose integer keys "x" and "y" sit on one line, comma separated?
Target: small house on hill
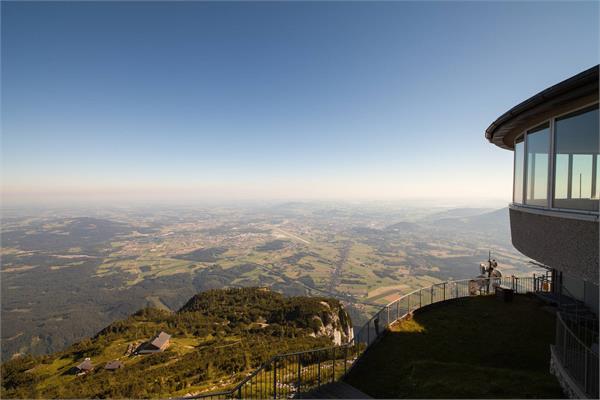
{"x": 157, "y": 344}
{"x": 113, "y": 365}
{"x": 83, "y": 368}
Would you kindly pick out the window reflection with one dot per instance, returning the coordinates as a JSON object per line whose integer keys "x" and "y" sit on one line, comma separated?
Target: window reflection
{"x": 538, "y": 144}
{"x": 561, "y": 173}
{"x": 596, "y": 190}
{"x": 518, "y": 174}
{"x": 576, "y": 183}
{"x": 576, "y": 160}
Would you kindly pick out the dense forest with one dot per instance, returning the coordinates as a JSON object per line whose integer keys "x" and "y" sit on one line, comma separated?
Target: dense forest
{"x": 216, "y": 337}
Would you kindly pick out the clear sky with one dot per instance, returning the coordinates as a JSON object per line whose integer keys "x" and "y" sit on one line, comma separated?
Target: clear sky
{"x": 310, "y": 100}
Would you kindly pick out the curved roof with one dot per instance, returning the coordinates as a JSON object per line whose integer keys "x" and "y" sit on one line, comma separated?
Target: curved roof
{"x": 571, "y": 93}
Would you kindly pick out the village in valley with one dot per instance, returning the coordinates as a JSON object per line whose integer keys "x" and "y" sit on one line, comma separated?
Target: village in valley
{"x": 94, "y": 270}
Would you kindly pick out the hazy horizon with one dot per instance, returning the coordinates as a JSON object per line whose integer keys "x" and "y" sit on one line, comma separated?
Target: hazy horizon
{"x": 193, "y": 101}
{"x": 150, "y": 204}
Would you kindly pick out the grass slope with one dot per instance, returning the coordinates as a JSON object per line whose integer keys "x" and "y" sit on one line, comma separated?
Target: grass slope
{"x": 474, "y": 348}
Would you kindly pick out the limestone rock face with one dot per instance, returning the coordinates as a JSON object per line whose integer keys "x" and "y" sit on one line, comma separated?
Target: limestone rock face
{"x": 333, "y": 321}
{"x": 262, "y": 308}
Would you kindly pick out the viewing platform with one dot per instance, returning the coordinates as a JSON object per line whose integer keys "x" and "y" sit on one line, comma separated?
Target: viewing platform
{"x": 476, "y": 347}
{"x": 452, "y": 339}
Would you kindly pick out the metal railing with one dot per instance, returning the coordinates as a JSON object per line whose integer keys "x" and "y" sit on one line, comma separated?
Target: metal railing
{"x": 576, "y": 358}
{"x": 542, "y": 283}
{"x": 288, "y": 375}
{"x": 405, "y": 305}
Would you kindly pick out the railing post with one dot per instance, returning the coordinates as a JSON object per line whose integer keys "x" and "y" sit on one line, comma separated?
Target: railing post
{"x": 240, "y": 392}
{"x": 333, "y": 367}
{"x": 387, "y": 308}
{"x": 397, "y": 310}
{"x": 444, "y": 290}
{"x": 420, "y": 300}
{"x": 564, "y": 333}
{"x": 275, "y": 378}
{"x": 299, "y": 375}
{"x": 408, "y": 303}
{"x": 345, "y": 358}
{"x": 431, "y": 290}
{"x": 319, "y": 371}
{"x": 585, "y": 371}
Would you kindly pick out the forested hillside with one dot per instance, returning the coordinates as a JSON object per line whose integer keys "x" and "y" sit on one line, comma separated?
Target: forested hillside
{"x": 216, "y": 337}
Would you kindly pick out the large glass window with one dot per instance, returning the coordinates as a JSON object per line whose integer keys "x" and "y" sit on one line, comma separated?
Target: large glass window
{"x": 518, "y": 177}
{"x": 538, "y": 145}
{"x": 576, "y": 182}
{"x": 596, "y": 190}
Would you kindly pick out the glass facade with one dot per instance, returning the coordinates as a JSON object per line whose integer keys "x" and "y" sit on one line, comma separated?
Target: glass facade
{"x": 538, "y": 150}
{"x": 518, "y": 175}
{"x": 574, "y": 161}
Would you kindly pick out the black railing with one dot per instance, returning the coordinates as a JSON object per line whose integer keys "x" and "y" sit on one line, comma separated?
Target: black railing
{"x": 288, "y": 375}
{"x": 576, "y": 358}
{"x": 285, "y": 376}
{"x": 542, "y": 283}
{"x": 400, "y": 308}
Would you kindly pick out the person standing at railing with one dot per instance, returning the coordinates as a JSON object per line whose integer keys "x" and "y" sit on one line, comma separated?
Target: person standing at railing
{"x": 492, "y": 265}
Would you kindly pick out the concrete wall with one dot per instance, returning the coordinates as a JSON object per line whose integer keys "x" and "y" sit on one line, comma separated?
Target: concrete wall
{"x": 567, "y": 244}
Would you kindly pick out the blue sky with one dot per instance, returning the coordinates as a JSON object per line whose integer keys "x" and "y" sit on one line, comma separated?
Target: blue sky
{"x": 274, "y": 100}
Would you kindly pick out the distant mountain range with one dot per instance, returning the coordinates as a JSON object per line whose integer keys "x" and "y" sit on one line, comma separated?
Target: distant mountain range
{"x": 472, "y": 219}
{"x": 496, "y": 220}
{"x": 457, "y": 213}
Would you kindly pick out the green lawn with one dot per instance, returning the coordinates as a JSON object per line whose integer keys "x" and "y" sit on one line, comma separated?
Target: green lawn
{"x": 473, "y": 348}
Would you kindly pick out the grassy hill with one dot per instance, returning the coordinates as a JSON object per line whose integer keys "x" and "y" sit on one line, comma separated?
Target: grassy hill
{"x": 217, "y": 337}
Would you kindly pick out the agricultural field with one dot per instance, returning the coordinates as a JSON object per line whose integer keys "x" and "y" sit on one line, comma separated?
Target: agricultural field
{"x": 68, "y": 273}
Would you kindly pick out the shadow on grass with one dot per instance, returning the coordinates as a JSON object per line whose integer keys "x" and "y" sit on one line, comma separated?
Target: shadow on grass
{"x": 470, "y": 348}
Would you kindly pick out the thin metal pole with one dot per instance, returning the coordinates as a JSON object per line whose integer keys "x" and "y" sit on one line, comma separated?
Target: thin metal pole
{"x": 275, "y": 378}
{"x": 564, "y": 341}
{"x": 585, "y": 371}
{"x": 319, "y": 371}
{"x": 387, "y": 308}
{"x": 345, "y": 358}
{"x": 551, "y": 164}
{"x": 299, "y": 375}
{"x": 333, "y": 369}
